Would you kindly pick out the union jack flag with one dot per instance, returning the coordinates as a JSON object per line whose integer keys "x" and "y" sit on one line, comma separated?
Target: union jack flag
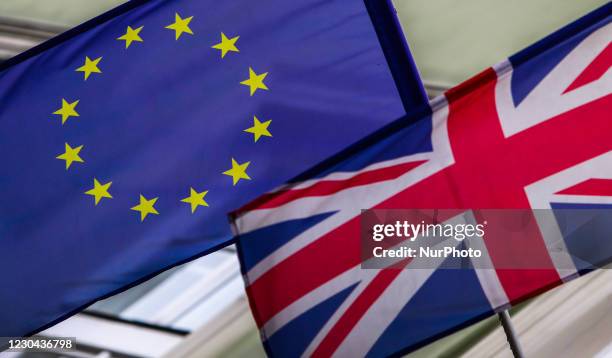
{"x": 534, "y": 131}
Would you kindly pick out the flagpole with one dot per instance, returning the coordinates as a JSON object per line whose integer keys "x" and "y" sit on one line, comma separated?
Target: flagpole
{"x": 511, "y": 335}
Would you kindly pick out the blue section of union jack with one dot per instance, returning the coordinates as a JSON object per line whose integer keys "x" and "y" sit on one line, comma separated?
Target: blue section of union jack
{"x": 531, "y": 132}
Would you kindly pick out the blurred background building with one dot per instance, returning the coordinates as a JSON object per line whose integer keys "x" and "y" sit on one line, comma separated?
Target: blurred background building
{"x": 200, "y": 309}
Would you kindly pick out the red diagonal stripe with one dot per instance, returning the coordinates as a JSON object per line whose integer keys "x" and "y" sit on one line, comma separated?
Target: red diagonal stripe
{"x": 353, "y": 314}
{"x": 594, "y": 71}
{"x": 329, "y": 187}
{"x": 599, "y": 187}
{"x": 317, "y": 263}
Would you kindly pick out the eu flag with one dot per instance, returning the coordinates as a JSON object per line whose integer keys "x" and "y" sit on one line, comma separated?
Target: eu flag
{"x": 126, "y": 141}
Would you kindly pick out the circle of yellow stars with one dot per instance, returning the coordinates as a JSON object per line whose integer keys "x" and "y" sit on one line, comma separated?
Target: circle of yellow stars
{"x": 92, "y": 67}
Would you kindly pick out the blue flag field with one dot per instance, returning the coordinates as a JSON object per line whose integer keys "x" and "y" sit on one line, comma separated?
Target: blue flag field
{"x": 126, "y": 141}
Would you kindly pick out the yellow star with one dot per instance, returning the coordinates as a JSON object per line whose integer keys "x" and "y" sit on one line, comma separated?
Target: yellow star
{"x": 100, "y": 191}
{"x": 68, "y": 110}
{"x": 259, "y": 129}
{"x": 145, "y": 207}
{"x": 255, "y": 81}
{"x": 226, "y": 45}
{"x": 131, "y": 35}
{"x": 71, "y": 155}
{"x": 195, "y": 199}
{"x": 238, "y": 171}
{"x": 90, "y": 66}
{"x": 180, "y": 25}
